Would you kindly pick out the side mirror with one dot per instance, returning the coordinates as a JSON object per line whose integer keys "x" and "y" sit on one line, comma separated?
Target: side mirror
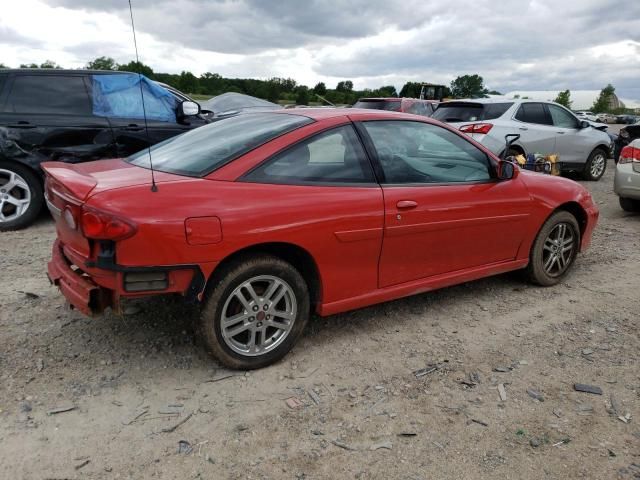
{"x": 506, "y": 170}
{"x": 584, "y": 124}
{"x": 188, "y": 109}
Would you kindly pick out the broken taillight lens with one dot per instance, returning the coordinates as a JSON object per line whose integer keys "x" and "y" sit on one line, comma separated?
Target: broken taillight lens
{"x": 100, "y": 225}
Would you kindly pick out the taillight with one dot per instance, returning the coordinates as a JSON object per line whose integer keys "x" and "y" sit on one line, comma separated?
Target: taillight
{"x": 477, "y": 128}
{"x": 100, "y": 225}
{"x": 629, "y": 154}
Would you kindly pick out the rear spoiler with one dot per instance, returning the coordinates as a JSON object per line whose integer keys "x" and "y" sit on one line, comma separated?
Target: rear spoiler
{"x": 76, "y": 183}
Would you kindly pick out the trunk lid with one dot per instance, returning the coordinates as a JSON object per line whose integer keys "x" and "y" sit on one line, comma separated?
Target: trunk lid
{"x": 69, "y": 186}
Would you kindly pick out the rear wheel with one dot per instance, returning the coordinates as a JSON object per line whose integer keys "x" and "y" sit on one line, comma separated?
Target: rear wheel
{"x": 596, "y": 165}
{"x": 629, "y": 204}
{"x": 21, "y": 196}
{"x": 554, "y": 249}
{"x": 255, "y": 313}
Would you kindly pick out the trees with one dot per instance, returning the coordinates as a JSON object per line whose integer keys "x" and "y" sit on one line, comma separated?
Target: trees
{"x": 564, "y": 98}
{"x": 46, "y": 64}
{"x": 604, "y": 102}
{"x": 320, "y": 88}
{"x": 468, "y": 86}
{"x": 188, "y": 83}
{"x": 137, "y": 67}
{"x": 345, "y": 86}
{"x": 302, "y": 97}
{"x": 102, "y": 63}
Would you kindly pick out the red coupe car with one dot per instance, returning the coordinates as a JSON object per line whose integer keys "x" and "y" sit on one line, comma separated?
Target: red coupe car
{"x": 265, "y": 218}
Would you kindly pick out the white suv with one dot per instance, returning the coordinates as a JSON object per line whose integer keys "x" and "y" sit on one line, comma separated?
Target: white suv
{"x": 544, "y": 127}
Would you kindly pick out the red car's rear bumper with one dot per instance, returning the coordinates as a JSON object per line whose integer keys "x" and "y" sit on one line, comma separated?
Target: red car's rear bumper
{"x": 91, "y": 289}
{"x": 81, "y": 292}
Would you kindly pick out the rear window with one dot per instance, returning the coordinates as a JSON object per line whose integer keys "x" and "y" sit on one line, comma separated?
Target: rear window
{"x": 47, "y": 94}
{"x": 203, "y": 150}
{"x": 469, "y": 112}
{"x": 390, "y": 105}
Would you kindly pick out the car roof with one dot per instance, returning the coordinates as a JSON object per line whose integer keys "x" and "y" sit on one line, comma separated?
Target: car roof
{"x": 63, "y": 71}
{"x": 380, "y": 99}
{"x": 325, "y": 113}
{"x": 483, "y": 100}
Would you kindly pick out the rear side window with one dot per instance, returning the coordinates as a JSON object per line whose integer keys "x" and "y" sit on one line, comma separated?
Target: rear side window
{"x": 49, "y": 94}
{"x": 3, "y": 80}
{"x": 204, "y": 149}
{"x": 335, "y": 156}
{"x": 389, "y": 105}
{"x": 533, "y": 113}
{"x": 470, "y": 112}
{"x": 562, "y": 118}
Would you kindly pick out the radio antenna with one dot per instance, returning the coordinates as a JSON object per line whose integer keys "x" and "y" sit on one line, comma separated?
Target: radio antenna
{"x": 154, "y": 187}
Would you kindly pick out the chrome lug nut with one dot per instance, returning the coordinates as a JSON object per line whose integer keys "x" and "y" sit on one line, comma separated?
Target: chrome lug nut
{"x": 265, "y": 308}
{"x": 255, "y": 308}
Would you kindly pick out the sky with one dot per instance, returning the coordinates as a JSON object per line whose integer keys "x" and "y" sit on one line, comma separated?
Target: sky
{"x": 512, "y": 44}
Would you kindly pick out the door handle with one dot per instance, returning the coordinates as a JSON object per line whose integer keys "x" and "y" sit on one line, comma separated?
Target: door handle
{"x": 561, "y": 133}
{"x": 133, "y": 128}
{"x": 523, "y": 128}
{"x": 406, "y": 204}
{"x": 22, "y": 124}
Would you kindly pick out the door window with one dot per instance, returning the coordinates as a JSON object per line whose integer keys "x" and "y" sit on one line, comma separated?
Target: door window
{"x": 49, "y": 94}
{"x": 335, "y": 156}
{"x": 416, "y": 152}
{"x": 418, "y": 108}
{"x": 562, "y": 118}
{"x": 533, "y": 113}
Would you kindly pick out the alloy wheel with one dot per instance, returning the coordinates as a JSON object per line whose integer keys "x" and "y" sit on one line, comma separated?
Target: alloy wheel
{"x": 15, "y": 196}
{"x": 597, "y": 165}
{"x": 558, "y": 249}
{"x": 258, "y": 315}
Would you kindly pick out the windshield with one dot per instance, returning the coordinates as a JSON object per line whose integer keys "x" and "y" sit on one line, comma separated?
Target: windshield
{"x": 202, "y": 150}
{"x": 469, "y": 112}
{"x": 391, "y": 105}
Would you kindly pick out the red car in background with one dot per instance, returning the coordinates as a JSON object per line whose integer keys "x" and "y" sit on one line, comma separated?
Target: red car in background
{"x": 265, "y": 218}
{"x": 393, "y": 104}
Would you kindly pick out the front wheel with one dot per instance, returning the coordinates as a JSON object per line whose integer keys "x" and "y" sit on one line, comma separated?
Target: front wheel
{"x": 554, "y": 249}
{"x": 595, "y": 166}
{"x": 629, "y": 204}
{"x": 255, "y": 313}
{"x": 21, "y": 196}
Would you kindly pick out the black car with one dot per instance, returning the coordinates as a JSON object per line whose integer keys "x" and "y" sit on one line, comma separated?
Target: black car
{"x": 627, "y": 135}
{"x": 76, "y": 116}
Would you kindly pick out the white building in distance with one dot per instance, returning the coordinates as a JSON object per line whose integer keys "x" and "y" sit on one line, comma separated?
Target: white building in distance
{"x": 580, "y": 99}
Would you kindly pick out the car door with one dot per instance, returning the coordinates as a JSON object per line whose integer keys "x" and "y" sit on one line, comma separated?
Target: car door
{"x": 444, "y": 209}
{"x": 49, "y": 117}
{"x": 118, "y": 97}
{"x": 573, "y": 144}
{"x": 536, "y": 130}
{"x": 324, "y": 184}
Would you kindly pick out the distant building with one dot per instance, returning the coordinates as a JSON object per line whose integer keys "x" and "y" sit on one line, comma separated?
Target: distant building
{"x": 580, "y": 99}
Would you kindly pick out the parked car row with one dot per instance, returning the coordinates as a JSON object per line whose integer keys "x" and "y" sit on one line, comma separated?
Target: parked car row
{"x": 544, "y": 127}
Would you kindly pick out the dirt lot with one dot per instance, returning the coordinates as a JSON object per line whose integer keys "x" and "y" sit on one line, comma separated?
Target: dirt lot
{"x": 131, "y": 381}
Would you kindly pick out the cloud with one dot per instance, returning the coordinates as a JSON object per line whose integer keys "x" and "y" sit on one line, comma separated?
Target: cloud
{"x": 513, "y": 44}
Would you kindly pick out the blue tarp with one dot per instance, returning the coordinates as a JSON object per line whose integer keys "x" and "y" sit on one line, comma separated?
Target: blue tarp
{"x": 119, "y": 96}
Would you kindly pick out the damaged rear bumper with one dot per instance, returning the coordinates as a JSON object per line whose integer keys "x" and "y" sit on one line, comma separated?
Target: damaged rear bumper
{"x": 81, "y": 292}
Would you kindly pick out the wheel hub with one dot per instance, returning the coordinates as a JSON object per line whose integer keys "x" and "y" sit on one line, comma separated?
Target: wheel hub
{"x": 15, "y": 195}
{"x": 258, "y": 315}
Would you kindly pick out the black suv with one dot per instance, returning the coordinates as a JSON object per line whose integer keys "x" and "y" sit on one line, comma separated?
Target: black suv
{"x": 76, "y": 116}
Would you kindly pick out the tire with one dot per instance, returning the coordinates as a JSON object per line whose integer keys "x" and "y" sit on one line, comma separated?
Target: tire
{"x": 629, "y": 204}
{"x": 541, "y": 251}
{"x": 596, "y": 165}
{"x": 262, "y": 272}
{"x": 21, "y": 203}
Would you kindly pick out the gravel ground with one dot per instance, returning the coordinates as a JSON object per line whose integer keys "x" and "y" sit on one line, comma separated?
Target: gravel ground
{"x": 147, "y": 402}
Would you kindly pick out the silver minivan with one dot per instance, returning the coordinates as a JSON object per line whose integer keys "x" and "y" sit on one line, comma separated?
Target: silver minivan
{"x": 544, "y": 127}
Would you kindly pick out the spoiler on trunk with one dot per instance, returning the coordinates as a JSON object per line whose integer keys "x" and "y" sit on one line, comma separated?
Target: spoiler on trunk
{"x": 77, "y": 183}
